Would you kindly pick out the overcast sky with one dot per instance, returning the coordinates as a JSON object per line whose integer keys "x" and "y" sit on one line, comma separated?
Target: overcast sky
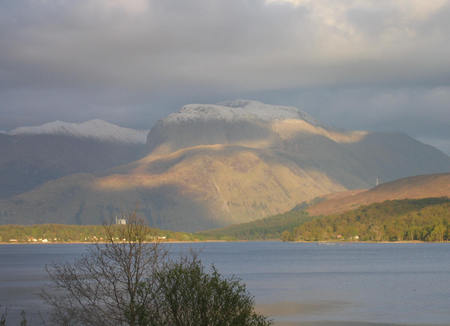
{"x": 381, "y": 65}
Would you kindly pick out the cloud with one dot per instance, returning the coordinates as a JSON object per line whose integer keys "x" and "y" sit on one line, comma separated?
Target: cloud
{"x": 125, "y": 58}
{"x": 133, "y": 7}
{"x": 148, "y": 45}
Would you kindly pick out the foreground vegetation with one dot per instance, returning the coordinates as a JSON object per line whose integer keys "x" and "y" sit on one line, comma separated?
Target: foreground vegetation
{"x": 397, "y": 220}
{"x": 132, "y": 282}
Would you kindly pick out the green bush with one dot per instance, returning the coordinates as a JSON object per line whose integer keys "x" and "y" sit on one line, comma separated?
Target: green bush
{"x": 189, "y": 295}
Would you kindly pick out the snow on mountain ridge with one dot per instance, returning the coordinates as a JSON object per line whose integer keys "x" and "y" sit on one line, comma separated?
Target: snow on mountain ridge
{"x": 97, "y": 129}
{"x": 239, "y": 110}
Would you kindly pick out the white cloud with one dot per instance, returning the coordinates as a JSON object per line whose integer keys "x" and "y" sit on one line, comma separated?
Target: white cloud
{"x": 415, "y": 9}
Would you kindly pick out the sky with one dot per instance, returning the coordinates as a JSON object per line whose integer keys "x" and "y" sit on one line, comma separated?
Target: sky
{"x": 380, "y": 65}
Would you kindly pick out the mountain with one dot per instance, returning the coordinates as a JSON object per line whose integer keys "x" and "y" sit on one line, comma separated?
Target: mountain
{"x": 213, "y": 165}
{"x": 192, "y": 189}
{"x": 417, "y": 187}
{"x": 94, "y": 129}
{"x": 381, "y": 205}
{"x": 352, "y": 158}
{"x": 30, "y": 156}
{"x": 239, "y": 122}
{"x": 413, "y": 192}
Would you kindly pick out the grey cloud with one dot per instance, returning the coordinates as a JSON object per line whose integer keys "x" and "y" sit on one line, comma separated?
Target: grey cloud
{"x": 422, "y": 112}
{"x": 247, "y": 45}
{"x": 377, "y": 65}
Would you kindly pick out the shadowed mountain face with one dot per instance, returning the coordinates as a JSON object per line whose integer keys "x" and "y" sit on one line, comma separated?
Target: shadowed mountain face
{"x": 27, "y": 161}
{"x": 213, "y": 165}
{"x": 392, "y": 156}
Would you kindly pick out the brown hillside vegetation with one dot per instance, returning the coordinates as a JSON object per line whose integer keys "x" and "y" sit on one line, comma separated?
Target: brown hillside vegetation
{"x": 190, "y": 189}
{"x": 417, "y": 187}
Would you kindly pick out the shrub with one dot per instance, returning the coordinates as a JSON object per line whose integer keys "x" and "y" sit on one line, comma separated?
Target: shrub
{"x": 189, "y": 295}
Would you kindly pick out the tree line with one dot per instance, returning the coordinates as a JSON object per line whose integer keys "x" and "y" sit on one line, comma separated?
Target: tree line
{"x": 269, "y": 228}
{"x": 396, "y": 220}
{"x": 43, "y": 233}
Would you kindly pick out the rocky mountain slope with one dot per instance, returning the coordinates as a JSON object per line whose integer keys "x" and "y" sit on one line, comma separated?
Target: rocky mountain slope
{"x": 213, "y": 165}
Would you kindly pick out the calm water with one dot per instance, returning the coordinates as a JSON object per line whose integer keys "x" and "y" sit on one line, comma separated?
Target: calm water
{"x": 386, "y": 283}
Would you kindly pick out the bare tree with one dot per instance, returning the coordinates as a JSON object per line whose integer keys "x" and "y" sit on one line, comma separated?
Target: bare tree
{"x": 127, "y": 281}
{"x": 104, "y": 286}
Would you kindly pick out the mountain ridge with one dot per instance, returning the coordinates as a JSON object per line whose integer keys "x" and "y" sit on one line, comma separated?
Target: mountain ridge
{"x": 238, "y": 110}
{"x": 197, "y": 173}
{"x": 96, "y": 129}
{"x": 27, "y": 161}
{"x": 415, "y": 187}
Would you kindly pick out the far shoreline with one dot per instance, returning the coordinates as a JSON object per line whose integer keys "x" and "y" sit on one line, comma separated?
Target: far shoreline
{"x": 222, "y": 241}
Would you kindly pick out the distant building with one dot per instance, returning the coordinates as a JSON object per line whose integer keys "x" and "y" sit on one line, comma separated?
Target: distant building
{"x": 121, "y": 221}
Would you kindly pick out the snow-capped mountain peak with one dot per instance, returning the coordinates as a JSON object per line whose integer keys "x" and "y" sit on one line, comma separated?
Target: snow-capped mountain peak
{"x": 97, "y": 129}
{"x": 239, "y": 110}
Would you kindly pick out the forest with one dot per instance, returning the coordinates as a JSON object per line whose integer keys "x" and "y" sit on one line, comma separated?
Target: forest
{"x": 270, "y": 228}
{"x": 397, "y": 220}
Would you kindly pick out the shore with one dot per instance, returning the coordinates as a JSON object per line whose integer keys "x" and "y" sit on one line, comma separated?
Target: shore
{"x": 299, "y": 310}
{"x": 102, "y": 242}
{"x": 218, "y": 240}
{"x": 348, "y": 323}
